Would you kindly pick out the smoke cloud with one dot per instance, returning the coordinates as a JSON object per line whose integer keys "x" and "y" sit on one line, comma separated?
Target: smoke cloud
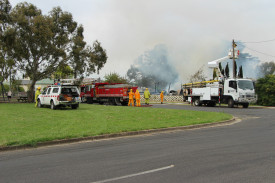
{"x": 154, "y": 69}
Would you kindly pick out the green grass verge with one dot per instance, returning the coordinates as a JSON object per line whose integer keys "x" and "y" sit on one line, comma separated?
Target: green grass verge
{"x": 23, "y": 124}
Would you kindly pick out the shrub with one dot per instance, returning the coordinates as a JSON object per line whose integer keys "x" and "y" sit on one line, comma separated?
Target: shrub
{"x": 265, "y": 89}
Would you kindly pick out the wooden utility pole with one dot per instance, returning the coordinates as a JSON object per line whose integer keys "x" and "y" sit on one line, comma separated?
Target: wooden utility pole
{"x": 234, "y": 62}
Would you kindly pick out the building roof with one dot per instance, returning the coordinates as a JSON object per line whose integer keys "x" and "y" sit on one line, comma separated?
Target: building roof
{"x": 45, "y": 82}
{"x": 40, "y": 82}
{"x": 24, "y": 82}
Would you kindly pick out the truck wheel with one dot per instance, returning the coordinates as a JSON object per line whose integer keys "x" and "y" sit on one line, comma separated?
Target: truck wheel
{"x": 53, "y": 107}
{"x": 245, "y": 105}
{"x": 75, "y": 106}
{"x": 212, "y": 104}
{"x": 124, "y": 103}
{"x": 39, "y": 105}
{"x": 197, "y": 102}
{"x": 100, "y": 102}
{"x": 89, "y": 100}
{"x": 230, "y": 103}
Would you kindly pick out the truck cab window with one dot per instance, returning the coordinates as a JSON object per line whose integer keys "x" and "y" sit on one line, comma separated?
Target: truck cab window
{"x": 49, "y": 91}
{"x": 233, "y": 84}
{"x": 44, "y": 91}
{"x": 55, "y": 90}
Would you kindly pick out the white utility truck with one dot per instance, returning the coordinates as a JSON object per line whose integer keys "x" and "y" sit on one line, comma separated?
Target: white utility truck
{"x": 227, "y": 91}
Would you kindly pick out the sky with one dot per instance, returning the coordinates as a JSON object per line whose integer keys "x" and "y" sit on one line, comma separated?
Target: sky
{"x": 194, "y": 31}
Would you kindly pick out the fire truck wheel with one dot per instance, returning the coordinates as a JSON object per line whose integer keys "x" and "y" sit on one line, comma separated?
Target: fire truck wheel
{"x": 230, "y": 103}
{"x": 124, "y": 103}
{"x": 113, "y": 101}
{"x": 89, "y": 100}
{"x": 100, "y": 102}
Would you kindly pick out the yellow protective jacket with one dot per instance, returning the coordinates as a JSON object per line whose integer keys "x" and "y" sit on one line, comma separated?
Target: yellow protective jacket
{"x": 131, "y": 95}
{"x": 161, "y": 95}
{"x": 36, "y": 94}
{"x": 137, "y": 95}
{"x": 146, "y": 94}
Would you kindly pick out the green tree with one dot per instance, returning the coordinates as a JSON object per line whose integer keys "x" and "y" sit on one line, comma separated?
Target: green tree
{"x": 41, "y": 40}
{"x": 265, "y": 90}
{"x": 7, "y": 37}
{"x": 240, "y": 74}
{"x": 227, "y": 71}
{"x": 63, "y": 71}
{"x": 115, "y": 78}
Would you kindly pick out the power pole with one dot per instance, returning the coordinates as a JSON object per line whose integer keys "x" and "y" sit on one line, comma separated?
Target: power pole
{"x": 234, "y": 62}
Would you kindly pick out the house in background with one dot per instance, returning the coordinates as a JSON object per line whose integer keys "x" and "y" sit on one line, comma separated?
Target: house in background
{"x": 26, "y": 83}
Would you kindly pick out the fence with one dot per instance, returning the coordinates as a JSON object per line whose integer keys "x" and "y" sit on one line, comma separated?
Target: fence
{"x": 156, "y": 98}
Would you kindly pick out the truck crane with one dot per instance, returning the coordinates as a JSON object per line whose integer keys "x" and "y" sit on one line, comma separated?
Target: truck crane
{"x": 230, "y": 91}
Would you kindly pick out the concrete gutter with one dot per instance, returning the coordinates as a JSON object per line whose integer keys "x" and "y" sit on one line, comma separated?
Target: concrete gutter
{"x": 122, "y": 134}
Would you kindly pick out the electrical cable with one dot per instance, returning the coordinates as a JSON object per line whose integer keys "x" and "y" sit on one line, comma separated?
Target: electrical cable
{"x": 258, "y": 41}
{"x": 260, "y": 52}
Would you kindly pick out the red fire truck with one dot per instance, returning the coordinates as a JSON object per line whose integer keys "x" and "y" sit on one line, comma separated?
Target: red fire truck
{"x": 115, "y": 93}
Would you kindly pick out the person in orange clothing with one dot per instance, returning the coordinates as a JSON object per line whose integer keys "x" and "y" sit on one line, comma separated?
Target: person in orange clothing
{"x": 161, "y": 97}
{"x": 137, "y": 96}
{"x": 131, "y": 98}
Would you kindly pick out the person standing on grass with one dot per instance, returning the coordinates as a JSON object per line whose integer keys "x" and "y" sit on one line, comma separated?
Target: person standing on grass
{"x": 37, "y": 93}
{"x": 137, "y": 96}
{"x": 161, "y": 97}
{"x": 9, "y": 96}
{"x": 146, "y": 96}
{"x": 131, "y": 98}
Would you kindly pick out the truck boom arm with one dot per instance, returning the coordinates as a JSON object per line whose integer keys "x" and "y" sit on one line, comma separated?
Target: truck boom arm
{"x": 215, "y": 63}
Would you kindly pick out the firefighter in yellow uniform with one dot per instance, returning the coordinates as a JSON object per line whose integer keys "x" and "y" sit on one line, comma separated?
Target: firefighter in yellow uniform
{"x": 137, "y": 96}
{"x": 161, "y": 97}
{"x": 36, "y": 95}
{"x": 146, "y": 96}
{"x": 131, "y": 98}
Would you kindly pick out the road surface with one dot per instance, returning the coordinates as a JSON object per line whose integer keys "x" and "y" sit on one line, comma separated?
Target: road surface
{"x": 242, "y": 152}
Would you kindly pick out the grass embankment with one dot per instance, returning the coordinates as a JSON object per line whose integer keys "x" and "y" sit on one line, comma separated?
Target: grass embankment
{"x": 22, "y": 124}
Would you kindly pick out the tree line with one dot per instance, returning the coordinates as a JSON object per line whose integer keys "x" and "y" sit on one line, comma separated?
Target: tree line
{"x": 40, "y": 45}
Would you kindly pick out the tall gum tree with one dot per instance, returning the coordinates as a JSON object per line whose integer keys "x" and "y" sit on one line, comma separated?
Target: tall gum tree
{"x": 85, "y": 59}
{"x": 42, "y": 41}
{"x": 7, "y": 36}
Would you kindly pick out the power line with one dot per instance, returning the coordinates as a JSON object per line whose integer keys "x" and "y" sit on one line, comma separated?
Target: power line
{"x": 259, "y": 41}
{"x": 260, "y": 52}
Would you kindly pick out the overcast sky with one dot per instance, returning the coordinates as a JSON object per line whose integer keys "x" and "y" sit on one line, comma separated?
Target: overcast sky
{"x": 194, "y": 31}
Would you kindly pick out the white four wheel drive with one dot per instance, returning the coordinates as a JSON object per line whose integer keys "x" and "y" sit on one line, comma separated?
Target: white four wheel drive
{"x": 59, "y": 96}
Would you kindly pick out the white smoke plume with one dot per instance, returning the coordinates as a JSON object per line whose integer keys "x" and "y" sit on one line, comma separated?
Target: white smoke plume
{"x": 154, "y": 69}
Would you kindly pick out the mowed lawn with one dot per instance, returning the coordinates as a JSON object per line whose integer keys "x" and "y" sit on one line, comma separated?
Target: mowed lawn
{"x": 22, "y": 124}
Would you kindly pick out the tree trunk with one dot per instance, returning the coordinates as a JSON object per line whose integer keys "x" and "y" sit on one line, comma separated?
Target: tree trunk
{"x": 31, "y": 92}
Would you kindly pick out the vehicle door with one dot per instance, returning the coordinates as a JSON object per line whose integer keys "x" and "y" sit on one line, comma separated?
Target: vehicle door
{"x": 48, "y": 96}
{"x": 43, "y": 95}
{"x": 232, "y": 89}
{"x": 54, "y": 93}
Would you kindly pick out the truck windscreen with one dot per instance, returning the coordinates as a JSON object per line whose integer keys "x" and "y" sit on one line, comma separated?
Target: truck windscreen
{"x": 245, "y": 85}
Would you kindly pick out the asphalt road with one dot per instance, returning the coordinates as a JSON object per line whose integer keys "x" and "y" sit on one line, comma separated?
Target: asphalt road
{"x": 242, "y": 152}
